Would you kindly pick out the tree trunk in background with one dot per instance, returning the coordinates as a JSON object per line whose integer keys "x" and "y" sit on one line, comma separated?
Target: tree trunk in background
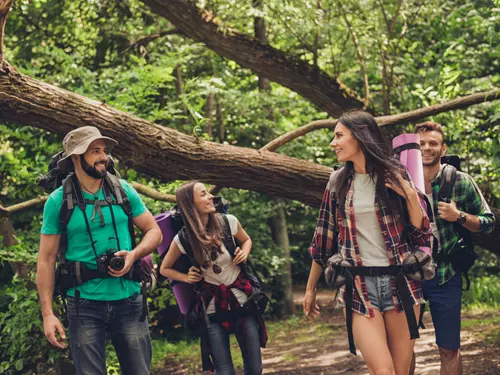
{"x": 209, "y": 115}
{"x": 220, "y": 119}
{"x": 280, "y": 235}
{"x": 179, "y": 89}
{"x": 278, "y": 223}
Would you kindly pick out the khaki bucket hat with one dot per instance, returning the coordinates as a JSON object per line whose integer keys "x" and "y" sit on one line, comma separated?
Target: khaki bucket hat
{"x": 77, "y": 141}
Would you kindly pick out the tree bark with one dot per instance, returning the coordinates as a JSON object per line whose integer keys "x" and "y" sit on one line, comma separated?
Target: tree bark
{"x": 156, "y": 150}
{"x": 168, "y": 154}
{"x": 4, "y": 13}
{"x": 322, "y": 90}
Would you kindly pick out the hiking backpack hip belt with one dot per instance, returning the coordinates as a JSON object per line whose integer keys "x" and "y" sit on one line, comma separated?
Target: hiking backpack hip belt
{"x": 72, "y": 274}
{"x": 403, "y": 290}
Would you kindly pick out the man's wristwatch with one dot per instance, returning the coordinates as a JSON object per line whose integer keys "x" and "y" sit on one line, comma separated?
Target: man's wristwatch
{"x": 462, "y": 218}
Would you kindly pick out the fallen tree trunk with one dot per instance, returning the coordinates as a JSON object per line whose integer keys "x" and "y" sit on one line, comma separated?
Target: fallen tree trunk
{"x": 165, "y": 153}
{"x": 156, "y": 150}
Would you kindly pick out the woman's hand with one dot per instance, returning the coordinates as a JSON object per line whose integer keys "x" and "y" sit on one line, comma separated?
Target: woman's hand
{"x": 405, "y": 190}
{"x": 240, "y": 256}
{"x": 194, "y": 275}
{"x": 311, "y": 308}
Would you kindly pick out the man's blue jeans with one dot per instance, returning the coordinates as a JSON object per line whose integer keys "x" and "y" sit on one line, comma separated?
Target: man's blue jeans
{"x": 118, "y": 319}
{"x": 249, "y": 344}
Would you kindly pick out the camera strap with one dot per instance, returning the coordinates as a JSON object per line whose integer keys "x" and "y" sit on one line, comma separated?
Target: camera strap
{"x": 109, "y": 200}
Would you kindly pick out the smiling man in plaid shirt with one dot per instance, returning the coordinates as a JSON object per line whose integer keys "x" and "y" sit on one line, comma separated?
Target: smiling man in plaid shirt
{"x": 467, "y": 209}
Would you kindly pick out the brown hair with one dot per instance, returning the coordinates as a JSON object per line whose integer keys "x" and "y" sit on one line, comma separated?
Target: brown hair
{"x": 202, "y": 240}
{"x": 379, "y": 161}
{"x": 429, "y": 126}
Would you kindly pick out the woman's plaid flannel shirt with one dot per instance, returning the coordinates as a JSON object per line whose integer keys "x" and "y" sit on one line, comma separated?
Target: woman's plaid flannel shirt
{"x": 392, "y": 228}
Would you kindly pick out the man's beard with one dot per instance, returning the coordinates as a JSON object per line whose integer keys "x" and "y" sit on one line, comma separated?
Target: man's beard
{"x": 433, "y": 162}
{"x": 92, "y": 170}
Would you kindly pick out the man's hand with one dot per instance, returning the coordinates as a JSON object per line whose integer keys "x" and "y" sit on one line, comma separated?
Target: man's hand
{"x": 53, "y": 328}
{"x": 448, "y": 211}
{"x": 240, "y": 256}
{"x": 129, "y": 257}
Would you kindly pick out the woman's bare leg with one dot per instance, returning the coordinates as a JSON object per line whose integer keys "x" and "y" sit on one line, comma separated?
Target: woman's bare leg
{"x": 398, "y": 339}
{"x": 370, "y": 338}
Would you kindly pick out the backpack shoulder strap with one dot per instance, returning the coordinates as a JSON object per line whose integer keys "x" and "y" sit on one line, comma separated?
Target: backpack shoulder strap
{"x": 448, "y": 178}
{"x": 68, "y": 206}
{"x": 187, "y": 247}
{"x": 228, "y": 238}
{"x": 122, "y": 200}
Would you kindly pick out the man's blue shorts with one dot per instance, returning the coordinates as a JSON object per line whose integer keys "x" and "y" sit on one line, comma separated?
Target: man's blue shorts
{"x": 445, "y": 304}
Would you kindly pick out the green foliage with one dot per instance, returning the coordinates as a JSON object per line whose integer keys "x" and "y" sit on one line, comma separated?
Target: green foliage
{"x": 23, "y": 346}
{"x": 484, "y": 291}
{"x": 419, "y": 54}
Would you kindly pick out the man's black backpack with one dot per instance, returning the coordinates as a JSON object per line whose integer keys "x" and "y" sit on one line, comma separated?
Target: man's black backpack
{"x": 72, "y": 274}
{"x": 462, "y": 256}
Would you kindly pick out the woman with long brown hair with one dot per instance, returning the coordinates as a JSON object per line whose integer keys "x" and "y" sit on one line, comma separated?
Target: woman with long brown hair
{"x": 223, "y": 287}
{"x": 371, "y": 218}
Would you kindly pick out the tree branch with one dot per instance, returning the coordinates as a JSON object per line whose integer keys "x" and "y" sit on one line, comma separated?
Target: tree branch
{"x": 143, "y": 42}
{"x": 141, "y": 189}
{"x": 401, "y": 118}
{"x": 5, "y": 211}
{"x": 458, "y": 103}
{"x": 321, "y": 89}
{"x": 152, "y": 193}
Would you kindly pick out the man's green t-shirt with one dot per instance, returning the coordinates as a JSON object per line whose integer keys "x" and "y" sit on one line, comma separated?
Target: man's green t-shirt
{"x": 79, "y": 244}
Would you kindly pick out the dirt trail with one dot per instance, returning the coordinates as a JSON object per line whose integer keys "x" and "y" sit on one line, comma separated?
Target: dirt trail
{"x": 322, "y": 348}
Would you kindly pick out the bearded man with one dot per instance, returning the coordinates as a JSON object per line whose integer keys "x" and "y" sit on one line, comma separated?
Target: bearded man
{"x": 88, "y": 227}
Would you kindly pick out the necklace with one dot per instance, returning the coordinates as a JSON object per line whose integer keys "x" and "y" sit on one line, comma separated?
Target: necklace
{"x": 214, "y": 254}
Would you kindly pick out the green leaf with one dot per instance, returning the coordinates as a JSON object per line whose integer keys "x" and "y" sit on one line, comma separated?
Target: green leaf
{"x": 19, "y": 365}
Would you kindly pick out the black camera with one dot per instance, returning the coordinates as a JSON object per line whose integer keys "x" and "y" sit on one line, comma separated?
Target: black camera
{"x": 111, "y": 260}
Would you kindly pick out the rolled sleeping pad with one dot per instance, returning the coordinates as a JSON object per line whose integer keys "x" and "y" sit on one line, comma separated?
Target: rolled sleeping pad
{"x": 183, "y": 292}
{"x": 406, "y": 148}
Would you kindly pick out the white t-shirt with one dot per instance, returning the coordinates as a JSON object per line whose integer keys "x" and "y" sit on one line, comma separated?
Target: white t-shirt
{"x": 371, "y": 243}
{"x": 435, "y": 231}
{"x": 229, "y": 271}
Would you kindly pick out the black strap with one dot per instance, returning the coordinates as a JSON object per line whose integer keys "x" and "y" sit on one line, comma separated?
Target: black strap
{"x": 407, "y": 146}
{"x": 109, "y": 200}
{"x": 448, "y": 178}
{"x": 349, "y": 289}
{"x": 421, "y": 318}
{"x": 402, "y": 288}
{"x": 406, "y": 300}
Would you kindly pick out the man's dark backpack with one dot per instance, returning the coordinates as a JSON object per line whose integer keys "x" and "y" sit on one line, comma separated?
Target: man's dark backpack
{"x": 73, "y": 274}
{"x": 462, "y": 256}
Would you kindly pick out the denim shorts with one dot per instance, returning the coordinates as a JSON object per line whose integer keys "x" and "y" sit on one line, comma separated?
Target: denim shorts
{"x": 380, "y": 292}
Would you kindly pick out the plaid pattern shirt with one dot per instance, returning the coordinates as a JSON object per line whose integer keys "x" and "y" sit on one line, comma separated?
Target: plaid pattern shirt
{"x": 468, "y": 199}
{"x": 226, "y": 302}
{"x": 392, "y": 227}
